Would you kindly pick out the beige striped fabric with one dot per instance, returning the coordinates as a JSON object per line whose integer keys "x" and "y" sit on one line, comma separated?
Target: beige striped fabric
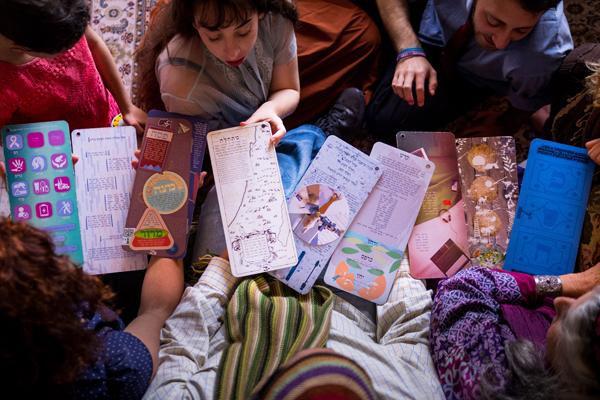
{"x": 267, "y": 324}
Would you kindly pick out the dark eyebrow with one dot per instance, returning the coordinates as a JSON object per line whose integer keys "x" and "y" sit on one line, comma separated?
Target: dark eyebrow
{"x": 500, "y": 22}
{"x": 244, "y": 22}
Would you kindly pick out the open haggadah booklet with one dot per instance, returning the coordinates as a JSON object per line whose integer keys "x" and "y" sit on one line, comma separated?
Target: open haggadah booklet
{"x": 251, "y": 198}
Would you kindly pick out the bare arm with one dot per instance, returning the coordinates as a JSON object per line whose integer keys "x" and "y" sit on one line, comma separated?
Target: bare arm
{"x": 579, "y": 283}
{"x": 283, "y": 99}
{"x": 412, "y": 71}
{"x": 111, "y": 78}
{"x": 161, "y": 292}
{"x": 396, "y": 19}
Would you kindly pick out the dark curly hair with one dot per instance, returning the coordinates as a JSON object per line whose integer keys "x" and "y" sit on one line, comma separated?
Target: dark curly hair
{"x": 45, "y": 302}
{"x": 44, "y": 26}
{"x": 177, "y": 18}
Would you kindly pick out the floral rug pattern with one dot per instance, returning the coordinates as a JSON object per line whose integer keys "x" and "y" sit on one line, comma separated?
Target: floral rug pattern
{"x": 122, "y": 23}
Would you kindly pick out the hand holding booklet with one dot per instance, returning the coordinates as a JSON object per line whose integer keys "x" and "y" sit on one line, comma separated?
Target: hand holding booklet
{"x": 251, "y": 198}
{"x": 166, "y": 182}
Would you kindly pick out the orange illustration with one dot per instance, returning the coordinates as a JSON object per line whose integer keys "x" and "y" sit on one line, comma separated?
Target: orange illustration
{"x": 345, "y": 279}
{"x": 375, "y": 290}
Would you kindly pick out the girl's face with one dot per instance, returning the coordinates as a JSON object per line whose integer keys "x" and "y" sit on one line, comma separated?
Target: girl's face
{"x": 230, "y": 44}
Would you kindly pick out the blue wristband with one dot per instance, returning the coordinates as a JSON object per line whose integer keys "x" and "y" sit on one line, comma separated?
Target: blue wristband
{"x": 410, "y": 52}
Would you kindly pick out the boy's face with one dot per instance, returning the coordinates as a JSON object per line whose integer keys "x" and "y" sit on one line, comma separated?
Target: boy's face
{"x": 233, "y": 43}
{"x": 497, "y": 23}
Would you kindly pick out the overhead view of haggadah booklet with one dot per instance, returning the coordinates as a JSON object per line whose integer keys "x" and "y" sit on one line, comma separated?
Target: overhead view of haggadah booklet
{"x": 328, "y": 197}
{"x": 104, "y": 179}
{"x": 368, "y": 256}
{"x": 251, "y": 198}
{"x": 165, "y": 185}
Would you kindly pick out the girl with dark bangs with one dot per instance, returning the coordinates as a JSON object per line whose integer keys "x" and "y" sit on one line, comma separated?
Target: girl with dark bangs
{"x": 234, "y": 62}
{"x": 229, "y": 61}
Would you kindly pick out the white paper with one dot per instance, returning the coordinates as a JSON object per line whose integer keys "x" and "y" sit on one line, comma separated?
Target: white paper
{"x": 366, "y": 260}
{"x": 350, "y": 175}
{"x": 104, "y": 179}
{"x": 251, "y": 198}
{"x": 4, "y": 203}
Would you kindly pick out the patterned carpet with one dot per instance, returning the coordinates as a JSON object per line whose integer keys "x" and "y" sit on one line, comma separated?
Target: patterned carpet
{"x": 122, "y": 23}
{"x": 584, "y": 20}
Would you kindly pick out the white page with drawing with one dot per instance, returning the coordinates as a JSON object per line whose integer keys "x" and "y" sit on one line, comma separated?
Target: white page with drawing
{"x": 251, "y": 198}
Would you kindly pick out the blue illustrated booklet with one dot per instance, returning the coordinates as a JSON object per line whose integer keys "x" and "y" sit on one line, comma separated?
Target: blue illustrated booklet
{"x": 551, "y": 208}
{"x": 41, "y": 182}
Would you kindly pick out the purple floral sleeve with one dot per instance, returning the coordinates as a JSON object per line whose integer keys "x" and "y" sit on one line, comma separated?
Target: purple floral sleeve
{"x": 467, "y": 335}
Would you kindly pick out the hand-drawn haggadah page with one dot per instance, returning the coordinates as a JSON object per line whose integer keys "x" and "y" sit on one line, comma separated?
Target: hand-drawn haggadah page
{"x": 366, "y": 260}
{"x": 438, "y": 245}
{"x": 488, "y": 173}
{"x": 325, "y": 202}
{"x": 252, "y": 202}
{"x": 104, "y": 179}
{"x": 550, "y": 210}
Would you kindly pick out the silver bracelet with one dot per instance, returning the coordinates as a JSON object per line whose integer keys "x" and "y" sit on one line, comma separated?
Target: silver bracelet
{"x": 547, "y": 286}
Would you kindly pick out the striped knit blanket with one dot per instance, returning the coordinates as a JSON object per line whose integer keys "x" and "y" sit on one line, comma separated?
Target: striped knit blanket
{"x": 267, "y": 324}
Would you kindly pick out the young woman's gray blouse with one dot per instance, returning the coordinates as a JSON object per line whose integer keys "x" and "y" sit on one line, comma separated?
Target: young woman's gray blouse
{"x": 194, "y": 82}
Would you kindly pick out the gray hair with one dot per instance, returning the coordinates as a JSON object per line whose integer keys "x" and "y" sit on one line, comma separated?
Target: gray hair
{"x": 575, "y": 357}
{"x": 577, "y": 374}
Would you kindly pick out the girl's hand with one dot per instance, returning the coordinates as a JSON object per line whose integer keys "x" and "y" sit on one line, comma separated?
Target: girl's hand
{"x": 266, "y": 113}
{"x": 593, "y": 148}
{"x": 135, "y": 117}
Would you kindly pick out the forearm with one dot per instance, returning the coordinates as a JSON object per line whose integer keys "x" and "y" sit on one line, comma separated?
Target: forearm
{"x": 396, "y": 19}
{"x": 535, "y": 288}
{"x": 162, "y": 287}
{"x": 108, "y": 69}
{"x": 577, "y": 284}
{"x": 161, "y": 292}
{"x": 283, "y": 102}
